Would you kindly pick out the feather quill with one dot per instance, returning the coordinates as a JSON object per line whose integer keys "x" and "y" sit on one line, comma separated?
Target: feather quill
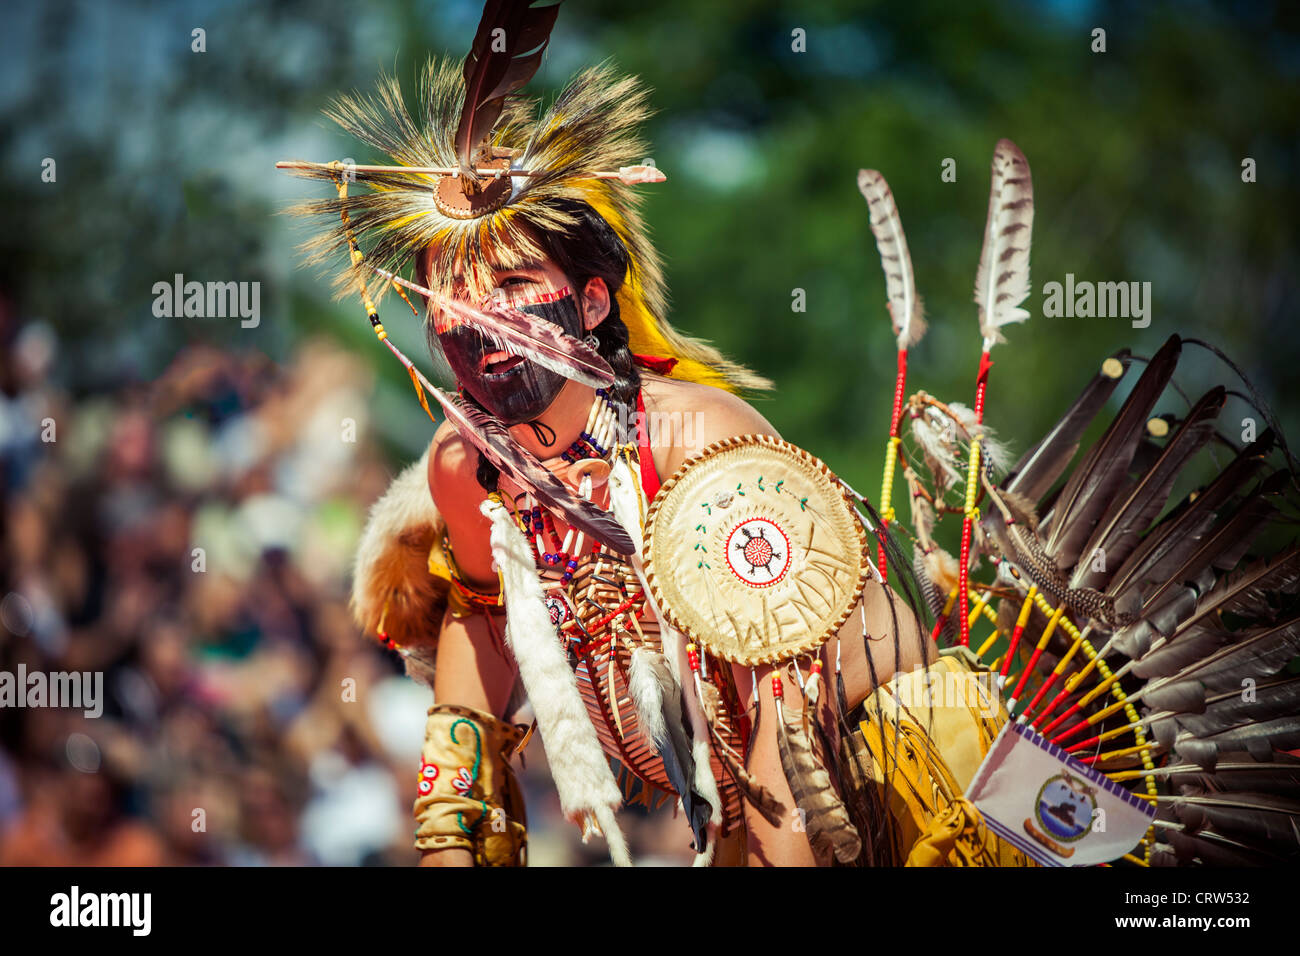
{"x": 490, "y": 437}
{"x": 1237, "y": 772}
{"x": 1254, "y": 654}
{"x": 515, "y": 331}
{"x": 1039, "y": 468}
{"x": 1245, "y": 592}
{"x": 906, "y": 310}
{"x": 759, "y": 797}
{"x": 1259, "y": 816}
{"x": 1002, "y": 280}
{"x": 1103, "y": 470}
{"x": 1213, "y": 849}
{"x": 1164, "y": 605}
{"x": 1260, "y": 739}
{"x": 1231, "y": 708}
{"x": 659, "y": 708}
{"x": 1183, "y": 530}
{"x": 1119, "y": 532}
{"x": 1240, "y": 593}
{"x": 1187, "y": 646}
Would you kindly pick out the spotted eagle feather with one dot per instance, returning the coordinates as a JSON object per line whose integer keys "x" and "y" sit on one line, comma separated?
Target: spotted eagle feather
{"x": 906, "y": 310}
{"x": 1002, "y": 280}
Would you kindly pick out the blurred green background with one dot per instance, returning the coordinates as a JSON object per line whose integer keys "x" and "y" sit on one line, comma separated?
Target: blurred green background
{"x": 165, "y": 165}
{"x": 181, "y": 432}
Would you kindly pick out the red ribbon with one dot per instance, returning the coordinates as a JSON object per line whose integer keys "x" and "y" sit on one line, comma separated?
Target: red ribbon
{"x": 655, "y": 363}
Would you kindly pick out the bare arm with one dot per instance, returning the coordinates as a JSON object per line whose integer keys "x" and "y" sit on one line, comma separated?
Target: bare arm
{"x": 869, "y": 633}
{"x": 716, "y": 415}
{"x": 471, "y": 669}
{"x": 786, "y": 844}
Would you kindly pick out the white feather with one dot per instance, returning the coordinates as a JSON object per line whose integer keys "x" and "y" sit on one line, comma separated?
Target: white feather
{"x": 1002, "y": 280}
{"x": 647, "y": 695}
{"x": 905, "y": 308}
{"x": 994, "y": 453}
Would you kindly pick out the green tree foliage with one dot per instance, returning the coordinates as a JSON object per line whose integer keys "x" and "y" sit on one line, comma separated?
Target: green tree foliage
{"x": 165, "y": 165}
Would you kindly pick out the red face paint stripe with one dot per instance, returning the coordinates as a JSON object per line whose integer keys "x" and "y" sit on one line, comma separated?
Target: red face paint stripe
{"x": 545, "y": 297}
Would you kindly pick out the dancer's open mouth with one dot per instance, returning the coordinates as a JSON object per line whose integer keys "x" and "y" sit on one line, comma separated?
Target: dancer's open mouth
{"x": 498, "y": 363}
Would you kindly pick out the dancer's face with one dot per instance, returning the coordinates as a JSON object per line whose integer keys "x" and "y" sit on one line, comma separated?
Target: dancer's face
{"x": 511, "y": 387}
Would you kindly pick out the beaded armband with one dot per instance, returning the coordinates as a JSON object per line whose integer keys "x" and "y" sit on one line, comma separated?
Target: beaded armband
{"x": 467, "y": 794}
{"x": 463, "y": 599}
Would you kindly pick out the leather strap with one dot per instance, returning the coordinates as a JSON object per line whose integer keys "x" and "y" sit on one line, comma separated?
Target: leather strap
{"x": 645, "y": 454}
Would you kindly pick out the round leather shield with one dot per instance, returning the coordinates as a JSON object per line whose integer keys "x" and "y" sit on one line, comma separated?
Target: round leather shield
{"x": 754, "y": 551}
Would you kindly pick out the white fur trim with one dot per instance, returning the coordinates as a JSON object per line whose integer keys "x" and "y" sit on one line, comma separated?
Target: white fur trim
{"x": 582, "y": 774}
{"x": 391, "y": 583}
{"x": 618, "y": 851}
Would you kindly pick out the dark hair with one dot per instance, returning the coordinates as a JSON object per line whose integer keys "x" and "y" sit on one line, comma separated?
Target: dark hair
{"x": 589, "y": 249}
{"x": 593, "y": 250}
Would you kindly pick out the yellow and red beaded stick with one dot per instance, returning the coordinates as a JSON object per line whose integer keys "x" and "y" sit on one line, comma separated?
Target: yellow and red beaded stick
{"x": 1001, "y": 284}
{"x": 1155, "y": 597}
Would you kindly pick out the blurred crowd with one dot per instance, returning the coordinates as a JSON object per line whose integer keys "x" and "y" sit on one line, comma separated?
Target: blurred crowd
{"x": 191, "y": 540}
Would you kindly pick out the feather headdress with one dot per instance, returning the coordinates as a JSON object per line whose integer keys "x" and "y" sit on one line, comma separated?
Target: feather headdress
{"x": 481, "y": 174}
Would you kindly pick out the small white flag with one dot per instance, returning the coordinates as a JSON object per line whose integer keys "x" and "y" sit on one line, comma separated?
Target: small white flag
{"x": 1061, "y": 812}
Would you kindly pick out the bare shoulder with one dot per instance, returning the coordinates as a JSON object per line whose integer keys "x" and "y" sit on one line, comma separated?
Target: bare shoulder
{"x": 453, "y": 465}
{"x": 453, "y": 483}
{"x": 684, "y": 418}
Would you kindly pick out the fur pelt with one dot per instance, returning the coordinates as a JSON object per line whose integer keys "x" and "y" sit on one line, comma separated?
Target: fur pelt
{"x": 392, "y": 567}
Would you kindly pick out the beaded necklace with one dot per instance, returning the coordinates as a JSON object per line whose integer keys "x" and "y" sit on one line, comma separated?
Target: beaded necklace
{"x": 593, "y": 444}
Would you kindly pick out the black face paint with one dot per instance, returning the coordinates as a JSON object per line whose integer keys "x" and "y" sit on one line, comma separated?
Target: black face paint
{"x": 514, "y": 390}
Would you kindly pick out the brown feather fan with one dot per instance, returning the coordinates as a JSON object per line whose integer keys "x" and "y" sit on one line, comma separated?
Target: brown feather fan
{"x": 1211, "y": 633}
{"x": 506, "y": 52}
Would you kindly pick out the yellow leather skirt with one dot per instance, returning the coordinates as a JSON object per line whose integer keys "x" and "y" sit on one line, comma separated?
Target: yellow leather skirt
{"x": 916, "y": 748}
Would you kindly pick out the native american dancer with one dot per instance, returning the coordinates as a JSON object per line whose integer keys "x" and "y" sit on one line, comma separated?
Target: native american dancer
{"x": 692, "y": 611}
